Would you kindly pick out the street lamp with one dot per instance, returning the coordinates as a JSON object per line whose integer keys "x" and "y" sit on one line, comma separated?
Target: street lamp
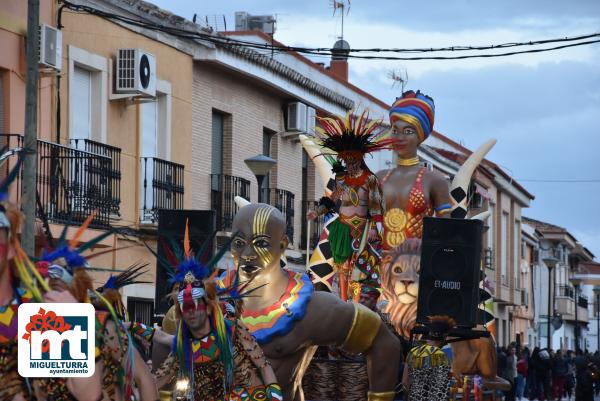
{"x": 576, "y": 282}
{"x": 597, "y": 294}
{"x": 551, "y": 263}
{"x": 260, "y": 166}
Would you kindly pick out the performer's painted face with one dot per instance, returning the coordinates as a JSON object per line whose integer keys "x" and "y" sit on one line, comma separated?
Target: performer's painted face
{"x": 191, "y": 301}
{"x": 260, "y": 239}
{"x": 407, "y": 139}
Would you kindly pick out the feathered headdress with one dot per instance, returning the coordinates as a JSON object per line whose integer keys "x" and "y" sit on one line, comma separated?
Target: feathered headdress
{"x": 192, "y": 282}
{"x": 351, "y": 134}
{"x": 10, "y": 219}
{"x": 110, "y": 289}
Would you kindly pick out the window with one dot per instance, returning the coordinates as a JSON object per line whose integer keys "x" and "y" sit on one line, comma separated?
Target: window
{"x": 216, "y": 166}
{"x": 504, "y": 249}
{"x": 516, "y": 253}
{"x": 81, "y": 104}
{"x": 88, "y": 95}
{"x": 155, "y": 121}
{"x": 492, "y": 225}
{"x": 1, "y": 102}
{"x": 266, "y": 145}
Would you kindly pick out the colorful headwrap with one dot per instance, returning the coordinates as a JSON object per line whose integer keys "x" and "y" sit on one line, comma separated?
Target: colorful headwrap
{"x": 351, "y": 134}
{"x": 416, "y": 109}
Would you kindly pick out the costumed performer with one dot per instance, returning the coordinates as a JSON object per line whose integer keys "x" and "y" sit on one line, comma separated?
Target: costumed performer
{"x": 19, "y": 283}
{"x": 212, "y": 358}
{"x": 426, "y": 374}
{"x": 289, "y": 320}
{"x": 114, "y": 377}
{"x": 355, "y": 236}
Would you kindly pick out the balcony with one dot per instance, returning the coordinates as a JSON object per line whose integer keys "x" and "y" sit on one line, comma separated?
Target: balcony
{"x": 71, "y": 183}
{"x": 565, "y": 304}
{"x": 488, "y": 258}
{"x": 162, "y": 187}
{"x": 284, "y": 201}
{"x": 113, "y": 172}
{"x": 316, "y": 226}
{"x": 224, "y": 189}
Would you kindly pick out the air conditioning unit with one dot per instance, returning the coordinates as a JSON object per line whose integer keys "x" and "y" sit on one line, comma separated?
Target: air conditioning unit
{"x": 50, "y": 47}
{"x": 311, "y": 120}
{"x": 135, "y": 72}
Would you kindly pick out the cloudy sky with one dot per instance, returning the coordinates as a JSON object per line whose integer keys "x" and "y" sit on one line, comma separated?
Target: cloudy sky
{"x": 543, "y": 108}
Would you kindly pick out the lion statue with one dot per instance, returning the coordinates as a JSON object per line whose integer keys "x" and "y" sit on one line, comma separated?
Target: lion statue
{"x": 400, "y": 284}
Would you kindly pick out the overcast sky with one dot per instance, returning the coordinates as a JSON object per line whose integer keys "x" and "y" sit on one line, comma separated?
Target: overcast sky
{"x": 543, "y": 108}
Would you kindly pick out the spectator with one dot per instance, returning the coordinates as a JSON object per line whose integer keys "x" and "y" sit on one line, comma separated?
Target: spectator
{"x": 544, "y": 373}
{"x": 584, "y": 388}
{"x": 522, "y": 374}
{"x": 560, "y": 370}
{"x": 570, "y": 379}
{"x": 511, "y": 372}
{"x": 533, "y": 385}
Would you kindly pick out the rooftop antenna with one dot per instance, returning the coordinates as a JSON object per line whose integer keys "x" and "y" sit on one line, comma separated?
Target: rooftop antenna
{"x": 399, "y": 77}
{"x": 341, "y": 5}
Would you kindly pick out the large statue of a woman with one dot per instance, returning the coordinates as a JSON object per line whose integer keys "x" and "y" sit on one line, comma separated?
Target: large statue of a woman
{"x": 410, "y": 190}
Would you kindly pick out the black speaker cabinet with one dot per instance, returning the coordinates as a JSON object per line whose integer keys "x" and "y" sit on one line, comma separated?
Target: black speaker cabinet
{"x": 450, "y": 270}
{"x": 171, "y": 225}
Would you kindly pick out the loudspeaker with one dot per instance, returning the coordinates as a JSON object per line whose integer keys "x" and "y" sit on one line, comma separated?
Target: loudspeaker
{"x": 450, "y": 270}
{"x": 171, "y": 227}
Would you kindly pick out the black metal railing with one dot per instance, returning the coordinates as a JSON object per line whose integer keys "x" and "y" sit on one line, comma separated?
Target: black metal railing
{"x": 71, "y": 183}
{"x": 566, "y": 291}
{"x": 315, "y": 226}
{"x": 162, "y": 187}
{"x": 223, "y": 190}
{"x": 582, "y": 301}
{"x": 113, "y": 173}
{"x": 284, "y": 201}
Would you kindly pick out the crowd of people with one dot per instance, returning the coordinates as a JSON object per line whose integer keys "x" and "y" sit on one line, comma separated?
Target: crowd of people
{"x": 546, "y": 374}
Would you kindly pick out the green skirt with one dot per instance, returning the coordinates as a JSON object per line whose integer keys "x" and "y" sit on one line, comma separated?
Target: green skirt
{"x": 340, "y": 241}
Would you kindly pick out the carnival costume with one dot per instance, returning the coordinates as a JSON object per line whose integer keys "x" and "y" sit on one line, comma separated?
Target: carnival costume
{"x": 418, "y": 110}
{"x": 24, "y": 281}
{"x": 66, "y": 263}
{"x": 110, "y": 291}
{"x": 224, "y": 365}
{"x": 355, "y": 257}
{"x": 428, "y": 366}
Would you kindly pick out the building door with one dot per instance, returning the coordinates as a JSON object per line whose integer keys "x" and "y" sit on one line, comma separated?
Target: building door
{"x": 149, "y": 132}
{"x": 81, "y": 104}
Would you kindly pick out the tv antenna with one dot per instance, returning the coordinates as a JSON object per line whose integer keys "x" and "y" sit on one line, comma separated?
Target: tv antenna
{"x": 399, "y": 77}
{"x": 341, "y": 5}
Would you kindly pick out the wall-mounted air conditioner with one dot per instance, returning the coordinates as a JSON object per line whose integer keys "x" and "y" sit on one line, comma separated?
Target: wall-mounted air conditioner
{"x": 50, "y": 47}
{"x": 135, "y": 73}
{"x": 296, "y": 119}
{"x": 311, "y": 120}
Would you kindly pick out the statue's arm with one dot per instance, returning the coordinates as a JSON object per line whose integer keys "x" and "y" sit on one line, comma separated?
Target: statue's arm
{"x": 375, "y": 202}
{"x": 440, "y": 195}
{"x": 357, "y": 329}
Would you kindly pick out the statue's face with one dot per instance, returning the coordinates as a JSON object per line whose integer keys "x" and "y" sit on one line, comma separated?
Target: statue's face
{"x": 259, "y": 241}
{"x": 407, "y": 139}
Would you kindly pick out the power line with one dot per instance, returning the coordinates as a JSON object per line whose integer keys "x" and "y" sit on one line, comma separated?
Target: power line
{"x": 320, "y": 51}
{"x": 592, "y": 180}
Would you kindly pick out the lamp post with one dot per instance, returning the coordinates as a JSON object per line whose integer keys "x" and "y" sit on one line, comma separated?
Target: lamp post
{"x": 551, "y": 263}
{"x": 576, "y": 282}
{"x": 260, "y": 166}
{"x": 597, "y": 294}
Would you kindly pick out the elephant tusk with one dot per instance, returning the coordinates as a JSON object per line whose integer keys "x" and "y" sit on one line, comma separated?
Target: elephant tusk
{"x": 460, "y": 184}
{"x": 241, "y": 202}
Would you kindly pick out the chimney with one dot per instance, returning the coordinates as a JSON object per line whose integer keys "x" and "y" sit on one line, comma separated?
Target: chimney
{"x": 339, "y": 59}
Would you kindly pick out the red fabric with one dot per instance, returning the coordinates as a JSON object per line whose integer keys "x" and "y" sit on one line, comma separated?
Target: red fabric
{"x": 522, "y": 367}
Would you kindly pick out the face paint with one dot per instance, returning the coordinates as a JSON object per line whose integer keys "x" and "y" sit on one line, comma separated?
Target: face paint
{"x": 190, "y": 298}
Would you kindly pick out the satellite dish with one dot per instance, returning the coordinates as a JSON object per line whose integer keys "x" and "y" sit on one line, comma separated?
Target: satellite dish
{"x": 145, "y": 71}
